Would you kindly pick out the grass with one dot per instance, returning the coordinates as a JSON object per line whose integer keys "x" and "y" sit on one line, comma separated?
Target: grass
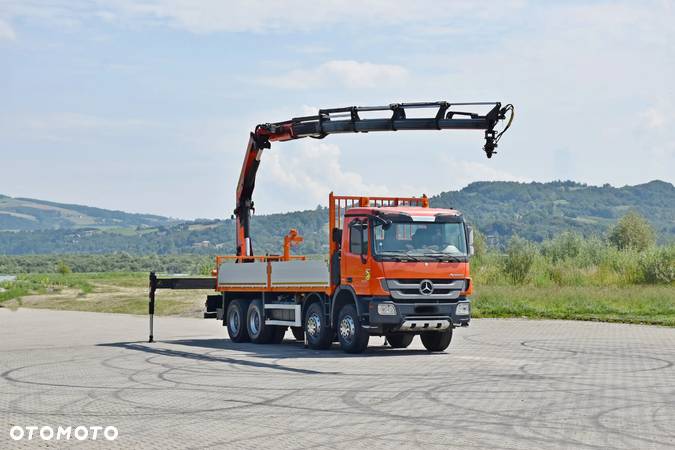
{"x": 44, "y": 284}
{"x": 630, "y": 304}
{"x": 97, "y": 292}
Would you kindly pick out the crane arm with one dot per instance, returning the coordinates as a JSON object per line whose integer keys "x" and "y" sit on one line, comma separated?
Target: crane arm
{"x": 349, "y": 120}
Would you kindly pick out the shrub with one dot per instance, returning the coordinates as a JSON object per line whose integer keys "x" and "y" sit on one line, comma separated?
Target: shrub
{"x": 487, "y": 269}
{"x": 632, "y": 231}
{"x": 206, "y": 268}
{"x": 592, "y": 251}
{"x": 658, "y": 265}
{"x": 479, "y": 244}
{"x": 565, "y": 246}
{"x": 567, "y": 273}
{"x": 520, "y": 255}
{"x": 620, "y": 266}
{"x": 62, "y": 268}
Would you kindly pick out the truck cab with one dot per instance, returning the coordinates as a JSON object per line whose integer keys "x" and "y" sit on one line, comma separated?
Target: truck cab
{"x": 406, "y": 268}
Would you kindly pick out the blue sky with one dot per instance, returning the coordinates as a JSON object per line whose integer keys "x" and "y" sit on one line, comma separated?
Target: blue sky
{"x": 146, "y": 106}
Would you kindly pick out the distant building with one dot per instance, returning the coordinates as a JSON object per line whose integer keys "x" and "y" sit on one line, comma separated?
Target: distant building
{"x": 7, "y": 278}
{"x": 202, "y": 244}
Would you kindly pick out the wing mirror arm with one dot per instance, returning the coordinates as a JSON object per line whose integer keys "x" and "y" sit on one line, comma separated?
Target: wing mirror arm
{"x": 470, "y": 240}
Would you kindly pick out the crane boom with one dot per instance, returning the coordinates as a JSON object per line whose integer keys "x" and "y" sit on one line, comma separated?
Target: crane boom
{"x": 348, "y": 120}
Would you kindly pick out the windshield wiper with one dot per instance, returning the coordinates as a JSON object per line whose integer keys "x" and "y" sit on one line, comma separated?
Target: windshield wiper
{"x": 442, "y": 256}
{"x": 399, "y": 255}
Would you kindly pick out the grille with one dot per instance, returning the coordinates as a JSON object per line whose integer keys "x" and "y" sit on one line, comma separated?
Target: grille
{"x": 409, "y": 289}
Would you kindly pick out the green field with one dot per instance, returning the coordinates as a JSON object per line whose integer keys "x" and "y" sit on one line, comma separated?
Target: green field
{"x": 630, "y": 304}
{"x": 97, "y": 292}
{"x": 127, "y": 293}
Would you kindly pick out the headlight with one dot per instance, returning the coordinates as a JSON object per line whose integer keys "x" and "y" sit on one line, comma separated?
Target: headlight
{"x": 462, "y": 309}
{"x": 386, "y": 309}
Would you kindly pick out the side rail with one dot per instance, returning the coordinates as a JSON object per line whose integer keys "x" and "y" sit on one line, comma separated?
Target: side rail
{"x": 173, "y": 283}
{"x": 272, "y": 275}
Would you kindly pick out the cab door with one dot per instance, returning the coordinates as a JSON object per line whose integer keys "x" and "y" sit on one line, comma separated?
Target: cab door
{"x": 354, "y": 265}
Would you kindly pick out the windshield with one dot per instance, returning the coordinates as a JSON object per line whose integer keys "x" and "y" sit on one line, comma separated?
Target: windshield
{"x": 420, "y": 239}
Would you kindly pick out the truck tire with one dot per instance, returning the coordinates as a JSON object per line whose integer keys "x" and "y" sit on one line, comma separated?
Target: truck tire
{"x": 319, "y": 335}
{"x": 436, "y": 341}
{"x": 278, "y": 333}
{"x": 298, "y": 333}
{"x": 236, "y": 321}
{"x": 400, "y": 340}
{"x": 255, "y": 324}
{"x": 352, "y": 336}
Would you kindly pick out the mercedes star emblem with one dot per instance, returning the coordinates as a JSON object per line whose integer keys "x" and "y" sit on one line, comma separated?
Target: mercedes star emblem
{"x": 426, "y": 287}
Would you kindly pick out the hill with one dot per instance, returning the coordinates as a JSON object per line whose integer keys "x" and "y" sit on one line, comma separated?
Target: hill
{"x": 20, "y": 214}
{"x": 539, "y": 211}
{"x": 536, "y": 211}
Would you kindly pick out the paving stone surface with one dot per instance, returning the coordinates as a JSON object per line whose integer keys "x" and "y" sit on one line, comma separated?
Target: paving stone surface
{"x": 511, "y": 384}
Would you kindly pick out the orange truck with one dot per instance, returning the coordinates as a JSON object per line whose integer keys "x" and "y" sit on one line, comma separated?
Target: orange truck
{"x": 396, "y": 267}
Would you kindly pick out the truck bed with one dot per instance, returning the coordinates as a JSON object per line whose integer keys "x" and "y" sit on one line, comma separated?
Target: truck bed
{"x": 274, "y": 276}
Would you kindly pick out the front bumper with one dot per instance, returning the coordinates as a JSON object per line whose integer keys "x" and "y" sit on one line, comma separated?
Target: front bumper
{"x": 417, "y": 316}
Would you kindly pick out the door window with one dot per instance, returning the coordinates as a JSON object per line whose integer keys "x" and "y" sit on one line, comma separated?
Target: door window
{"x": 358, "y": 238}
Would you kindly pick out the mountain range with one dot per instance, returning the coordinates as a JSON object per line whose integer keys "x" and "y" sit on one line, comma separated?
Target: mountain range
{"x": 21, "y": 214}
{"x": 536, "y": 211}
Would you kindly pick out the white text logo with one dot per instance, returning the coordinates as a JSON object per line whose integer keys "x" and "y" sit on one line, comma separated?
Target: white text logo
{"x": 47, "y": 433}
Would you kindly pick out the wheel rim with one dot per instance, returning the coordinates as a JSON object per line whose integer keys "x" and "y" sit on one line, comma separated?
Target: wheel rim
{"x": 234, "y": 321}
{"x": 254, "y": 322}
{"x": 313, "y": 325}
{"x": 347, "y": 329}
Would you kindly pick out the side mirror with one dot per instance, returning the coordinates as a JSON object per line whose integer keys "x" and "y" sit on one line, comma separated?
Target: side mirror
{"x": 337, "y": 236}
{"x": 471, "y": 248}
{"x": 364, "y": 244}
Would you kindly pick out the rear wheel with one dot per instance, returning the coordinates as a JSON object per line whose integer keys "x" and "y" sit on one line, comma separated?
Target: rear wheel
{"x": 298, "y": 333}
{"x": 436, "y": 341}
{"x": 400, "y": 340}
{"x": 255, "y": 323}
{"x": 236, "y": 321}
{"x": 353, "y": 338}
{"x": 319, "y": 334}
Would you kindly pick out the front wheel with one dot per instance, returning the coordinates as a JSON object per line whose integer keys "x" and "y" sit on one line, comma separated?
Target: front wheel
{"x": 400, "y": 340}
{"x": 353, "y": 338}
{"x": 436, "y": 341}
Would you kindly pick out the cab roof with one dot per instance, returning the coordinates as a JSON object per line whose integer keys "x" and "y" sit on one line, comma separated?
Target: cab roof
{"x": 412, "y": 211}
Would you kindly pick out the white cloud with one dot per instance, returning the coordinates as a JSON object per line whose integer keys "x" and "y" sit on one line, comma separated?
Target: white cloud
{"x": 347, "y": 73}
{"x": 464, "y": 173}
{"x": 305, "y": 173}
{"x": 300, "y": 175}
{"x": 71, "y": 127}
{"x": 654, "y": 118}
{"x": 653, "y": 136}
{"x": 264, "y": 16}
{"x": 6, "y": 31}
